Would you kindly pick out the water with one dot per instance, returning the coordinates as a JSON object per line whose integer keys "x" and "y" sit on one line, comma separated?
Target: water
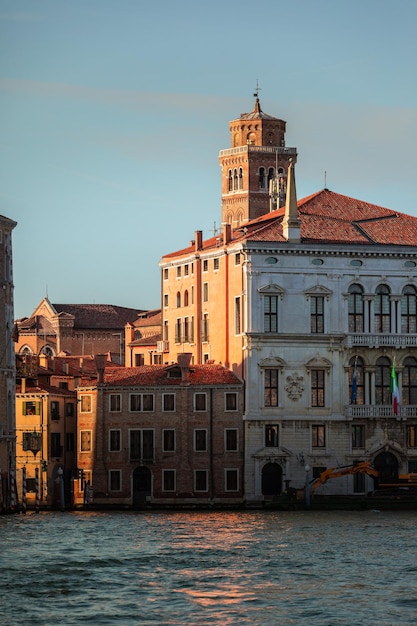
{"x": 257, "y": 568}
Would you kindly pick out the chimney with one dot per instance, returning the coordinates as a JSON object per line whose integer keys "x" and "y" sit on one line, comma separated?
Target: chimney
{"x": 100, "y": 361}
{"x": 291, "y": 222}
{"x": 183, "y": 361}
{"x": 198, "y": 244}
{"x": 227, "y": 233}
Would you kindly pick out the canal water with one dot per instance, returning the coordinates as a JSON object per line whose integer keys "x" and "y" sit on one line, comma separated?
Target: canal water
{"x": 259, "y": 568}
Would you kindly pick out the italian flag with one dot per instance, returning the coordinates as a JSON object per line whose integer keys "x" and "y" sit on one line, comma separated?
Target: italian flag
{"x": 395, "y": 392}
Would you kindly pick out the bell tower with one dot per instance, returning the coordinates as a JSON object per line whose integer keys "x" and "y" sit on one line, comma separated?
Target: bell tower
{"x": 254, "y": 169}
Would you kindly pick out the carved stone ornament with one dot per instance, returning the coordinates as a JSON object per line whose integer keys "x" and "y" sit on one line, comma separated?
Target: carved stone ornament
{"x": 294, "y": 386}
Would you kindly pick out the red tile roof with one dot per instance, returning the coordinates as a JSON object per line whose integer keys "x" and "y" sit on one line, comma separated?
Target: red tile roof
{"x": 327, "y": 217}
{"x": 105, "y": 316}
{"x": 158, "y": 375}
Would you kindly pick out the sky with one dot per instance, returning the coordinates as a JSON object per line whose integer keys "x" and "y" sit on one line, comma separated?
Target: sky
{"x": 113, "y": 113}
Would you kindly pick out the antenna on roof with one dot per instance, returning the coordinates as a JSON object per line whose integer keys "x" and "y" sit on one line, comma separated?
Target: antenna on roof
{"x": 257, "y": 90}
{"x": 215, "y": 229}
{"x": 325, "y": 179}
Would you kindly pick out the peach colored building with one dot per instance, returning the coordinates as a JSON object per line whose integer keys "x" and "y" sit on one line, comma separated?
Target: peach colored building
{"x": 143, "y": 340}
{"x": 162, "y": 435}
{"x": 295, "y": 299}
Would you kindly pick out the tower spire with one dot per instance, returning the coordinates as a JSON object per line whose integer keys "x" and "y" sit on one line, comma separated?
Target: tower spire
{"x": 291, "y": 222}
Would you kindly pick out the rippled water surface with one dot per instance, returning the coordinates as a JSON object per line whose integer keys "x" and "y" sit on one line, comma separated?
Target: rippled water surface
{"x": 258, "y": 568}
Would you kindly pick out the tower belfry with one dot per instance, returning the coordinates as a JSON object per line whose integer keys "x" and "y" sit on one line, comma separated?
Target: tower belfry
{"x": 254, "y": 169}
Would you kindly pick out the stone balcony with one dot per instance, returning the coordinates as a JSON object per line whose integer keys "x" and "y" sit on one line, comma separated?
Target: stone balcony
{"x": 379, "y": 340}
{"x": 379, "y": 411}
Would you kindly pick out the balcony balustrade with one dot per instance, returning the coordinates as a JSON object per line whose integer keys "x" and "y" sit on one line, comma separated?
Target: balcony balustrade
{"x": 376, "y": 340}
{"x": 380, "y": 411}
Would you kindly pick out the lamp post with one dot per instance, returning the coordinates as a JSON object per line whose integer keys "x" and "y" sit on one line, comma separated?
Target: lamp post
{"x": 308, "y": 498}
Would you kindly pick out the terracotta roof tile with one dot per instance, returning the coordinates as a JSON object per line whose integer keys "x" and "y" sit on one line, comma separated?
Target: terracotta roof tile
{"x": 105, "y": 316}
{"x": 154, "y": 375}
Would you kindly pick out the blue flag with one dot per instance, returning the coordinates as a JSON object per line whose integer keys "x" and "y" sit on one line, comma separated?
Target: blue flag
{"x": 354, "y": 391}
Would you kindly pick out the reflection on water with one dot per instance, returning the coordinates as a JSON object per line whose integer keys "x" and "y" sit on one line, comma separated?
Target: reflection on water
{"x": 258, "y": 568}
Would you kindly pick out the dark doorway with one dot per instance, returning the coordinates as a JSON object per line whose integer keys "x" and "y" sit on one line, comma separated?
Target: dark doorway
{"x": 271, "y": 479}
{"x": 387, "y": 465}
{"x": 142, "y": 485}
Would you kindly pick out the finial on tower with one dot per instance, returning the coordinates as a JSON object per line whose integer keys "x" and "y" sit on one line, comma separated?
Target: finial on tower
{"x": 257, "y": 90}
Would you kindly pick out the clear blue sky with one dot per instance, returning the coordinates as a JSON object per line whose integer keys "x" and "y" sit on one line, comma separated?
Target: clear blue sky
{"x": 112, "y": 114}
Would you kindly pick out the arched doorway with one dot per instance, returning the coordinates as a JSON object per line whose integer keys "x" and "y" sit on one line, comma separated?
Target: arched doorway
{"x": 141, "y": 485}
{"x": 387, "y": 465}
{"x": 271, "y": 479}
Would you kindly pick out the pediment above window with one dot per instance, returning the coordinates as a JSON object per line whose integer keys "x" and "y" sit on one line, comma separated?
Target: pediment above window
{"x": 319, "y": 362}
{"x": 272, "y": 361}
{"x": 318, "y": 290}
{"x": 278, "y": 455}
{"x": 272, "y": 289}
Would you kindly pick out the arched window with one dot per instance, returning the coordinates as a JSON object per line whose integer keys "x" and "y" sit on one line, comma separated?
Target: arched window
{"x": 355, "y": 309}
{"x": 235, "y": 180}
{"x": 186, "y": 298}
{"x": 240, "y": 182}
{"x": 382, "y": 310}
{"x": 356, "y": 381}
{"x": 409, "y": 310}
{"x": 261, "y": 178}
{"x": 382, "y": 381}
{"x": 271, "y": 174}
{"x": 409, "y": 381}
{"x": 178, "y": 299}
{"x": 230, "y": 181}
{"x": 26, "y": 351}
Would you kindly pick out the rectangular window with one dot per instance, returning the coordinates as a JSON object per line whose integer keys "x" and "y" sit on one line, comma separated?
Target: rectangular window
{"x": 318, "y": 470}
{"x": 31, "y": 408}
{"x": 178, "y": 338}
{"x": 270, "y": 314}
{"x": 271, "y": 387}
{"x": 358, "y": 483}
{"x": 216, "y": 264}
{"x": 115, "y": 480}
{"x": 200, "y": 402}
{"x": 200, "y": 480}
{"x": 115, "y": 440}
{"x": 412, "y": 436}
{"x": 231, "y": 401}
{"x": 69, "y": 409}
{"x": 271, "y": 436}
{"x": 168, "y": 402}
{"x": 54, "y": 410}
{"x": 69, "y": 442}
{"x": 238, "y": 325}
{"x": 165, "y": 273}
{"x": 141, "y": 402}
{"x": 56, "y": 448}
{"x": 231, "y": 480}
{"x": 358, "y": 436}
{"x": 179, "y": 271}
{"x": 205, "y": 265}
{"x": 412, "y": 467}
{"x": 32, "y": 441}
{"x": 115, "y": 403}
{"x": 85, "y": 441}
{"x": 237, "y": 258}
{"x": 186, "y": 329}
{"x": 318, "y": 436}
{"x": 63, "y": 384}
{"x": 85, "y": 404}
{"x": 168, "y": 480}
{"x": 168, "y": 440}
{"x": 200, "y": 440}
{"x": 205, "y": 292}
{"x": 205, "y": 328}
{"x": 231, "y": 442}
{"x": 166, "y": 300}
{"x": 317, "y": 388}
{"x": 141, "y": 444}
{"x": 317, "y": 314}
{"x": 186, "y": 270}
{"x": 139, "y": 360}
